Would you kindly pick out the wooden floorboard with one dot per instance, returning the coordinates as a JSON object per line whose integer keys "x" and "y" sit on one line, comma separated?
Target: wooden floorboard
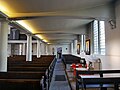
{"x": 61, "y": 84}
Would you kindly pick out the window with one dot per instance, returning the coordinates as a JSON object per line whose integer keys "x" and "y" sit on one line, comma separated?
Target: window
{"x": 102, "y": 37}
{"x": 95, "y": 34}
{"x": 99, "y": 37}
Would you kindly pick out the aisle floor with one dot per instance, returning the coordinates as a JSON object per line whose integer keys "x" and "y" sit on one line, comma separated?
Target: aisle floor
{"x": 59, "y": 79}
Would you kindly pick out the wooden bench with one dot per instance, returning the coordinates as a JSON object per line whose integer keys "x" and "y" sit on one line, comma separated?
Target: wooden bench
{"x": 17, "y": 58}
{"x": 30, "y": 62}
{"x": 20, "y": 84}
{"x": 37, "y": 63}
{"x": 101, "y": 82}
{"x": 85, "y": 80}
{"x": 17, "y": 68}
{"x": 69, "y": 59}
{"x": 34, "y": 58}
{"x": 44, "y": 64}
{"x": 28, "y": 65}
{"x": 21, "y": 75}
{"x": 14, "y": 80}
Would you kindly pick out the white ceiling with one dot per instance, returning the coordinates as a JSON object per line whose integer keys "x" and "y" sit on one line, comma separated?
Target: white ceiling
{"x": 57, "y": 23}
{"x": 28, "y": 6}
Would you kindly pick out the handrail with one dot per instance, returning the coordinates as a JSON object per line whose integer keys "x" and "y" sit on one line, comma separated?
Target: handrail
{"x": 50, "y": 72}
{"x": 48, "y": 75}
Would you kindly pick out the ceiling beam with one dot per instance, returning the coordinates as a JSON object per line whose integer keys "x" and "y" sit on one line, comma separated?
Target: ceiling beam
{"x": 60, "y": 33}
{"x": 54, "y": 16}
{"x": 89, "y": 13}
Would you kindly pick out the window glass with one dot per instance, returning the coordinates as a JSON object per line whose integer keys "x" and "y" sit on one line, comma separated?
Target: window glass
{"x": 99, "y": 37}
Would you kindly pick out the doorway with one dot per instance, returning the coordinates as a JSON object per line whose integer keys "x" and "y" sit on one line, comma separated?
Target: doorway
{"x": 59, "y": 52}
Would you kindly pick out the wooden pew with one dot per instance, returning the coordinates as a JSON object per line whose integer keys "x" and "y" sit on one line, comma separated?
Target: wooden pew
{"x": 84, "y": 79}
{"x": 17, "y": 68}
{"x": 69, "y": 59}
{"x": 17, "y": 58}
{"x": 21, "y": 75}
{"x": 28, "y": 65}
{"x": 34, "y": 58}
{"x": 46, "y": 61}
{"x": 35, "y": 62}
{"x": 101, "y": 82}
{"x": 20, "y": 84}
{"x": 14, "y": 80}
{"x": 38, "y": 64}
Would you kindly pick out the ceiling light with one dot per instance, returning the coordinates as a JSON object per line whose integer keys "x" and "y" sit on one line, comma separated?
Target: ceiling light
{"x": 39, "y": 36}
{"x": 25, "y": 25}
{"x": 48, "y": 43}
{"x": 45, "y": 40}
{"x": 5, "y": 9}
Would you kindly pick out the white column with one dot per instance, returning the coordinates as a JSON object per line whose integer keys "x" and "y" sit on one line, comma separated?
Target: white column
{"x": 20, "y": 49}
{"x": 38, "y": 48}
{"x": 71, "y": 45}
{"x": 83, "y": 43}
{"x": 12, "y": 49}
{"x": 3, "y": 45}
{"x": 23, "y": 49}
{"x": 29, "y": 48}
{"x": 42, "y": 48}
{"x": 14, "y": 32}
{"x": 75, "y": 47}
{"x": 82, "y": 54}
{"x": 46, "y": 52}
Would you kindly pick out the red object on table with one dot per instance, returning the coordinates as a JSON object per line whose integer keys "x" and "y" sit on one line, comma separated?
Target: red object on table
{"x": 79, "y": 65}
{"x": 73, "y": 65}
{"x": 74, "y": 68}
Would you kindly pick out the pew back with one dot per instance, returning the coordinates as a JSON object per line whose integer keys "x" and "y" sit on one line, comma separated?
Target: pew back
{"x": 101, "y": 80}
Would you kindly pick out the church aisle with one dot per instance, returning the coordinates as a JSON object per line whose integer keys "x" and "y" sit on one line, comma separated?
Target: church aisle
{"x": 59, "y": 79}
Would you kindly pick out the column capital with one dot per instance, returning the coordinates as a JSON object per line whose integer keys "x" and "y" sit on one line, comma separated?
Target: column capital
{"x": 29, "y": 34}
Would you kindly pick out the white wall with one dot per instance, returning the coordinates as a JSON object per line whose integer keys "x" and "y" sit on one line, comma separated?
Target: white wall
{"x": 112, "y": 58}
{"x": 9, "y": 50}
{"x": 110, "y": 62}
{"x": 34, "y": 49}
{"x": 43, "y": 48}
{"x": 65, "y": 49}
{"x": 74, "y": 47}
